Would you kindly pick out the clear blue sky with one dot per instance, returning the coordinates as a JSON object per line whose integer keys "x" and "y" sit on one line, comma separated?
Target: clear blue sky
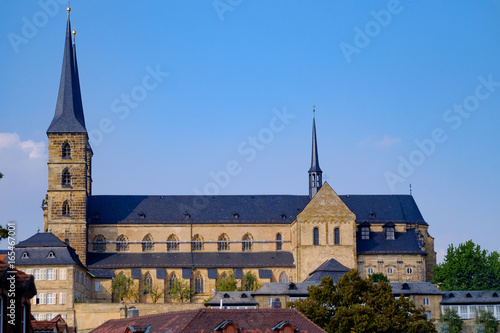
{"x": 383, "y": 75}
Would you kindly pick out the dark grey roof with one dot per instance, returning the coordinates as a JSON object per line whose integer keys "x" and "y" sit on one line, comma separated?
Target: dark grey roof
{"x": 102, "y": 273}
{"x": 234, "y": 298}
{"x": 384, "y": 208}
{"x": 278, "y": 288}
{"x": 404, "y": 243}
{"x": 471, "y": 297}
{"x": 187, "y": 209}
{"x": 42, "y": 239}
{"x": 268, "y": 209}
{"x": 331, "y": 268}
{"x": 39, "y": 255}
{"x": 68, "y": 117}
{"x": 188, "y": 260}
{"x": 414, "y": 288}
{"x": 265, "y": 274}
{"x": 314, "y": 154}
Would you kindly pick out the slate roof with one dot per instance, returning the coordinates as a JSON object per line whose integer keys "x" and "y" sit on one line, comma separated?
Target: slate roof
{"x": 233, "y": 298}
{"x": 331, "y": 268}
{"x": 265, "y": 209}
{"x": 404, "y": 243}
{"x": 188, "y": 260}
{"x": 471, "y": 297}
{"x": 38, "y": 247}
{"x": 414, "y": 288}
{"x": 206, "y": 320}
{"x": 68, "y": 116}
{"x": 278, "y": 288}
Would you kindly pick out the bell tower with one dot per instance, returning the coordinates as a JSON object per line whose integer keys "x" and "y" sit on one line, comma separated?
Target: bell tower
{"x": 70, "y": 154}
{"x": 315, "y": 173}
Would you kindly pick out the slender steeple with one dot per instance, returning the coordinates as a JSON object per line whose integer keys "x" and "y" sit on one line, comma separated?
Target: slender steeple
{"x": 315, "y": 173}
{"x": 68, "y": 117}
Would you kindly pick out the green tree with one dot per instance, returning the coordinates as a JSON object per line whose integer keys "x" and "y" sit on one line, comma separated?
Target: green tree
{"x": 156, "y": 292}
{"x": 355, "y": 304}
{"x": 450, "y": 321}
{"x": 122, "y": 288}
{"x": 250, "y": 282}
{"x": 226, "y": 283}
{"x": 379, "y": 277}
{"x": 181, "y": 291}
{"x": 467, "y": 267}
{"x": 486, "y": 322}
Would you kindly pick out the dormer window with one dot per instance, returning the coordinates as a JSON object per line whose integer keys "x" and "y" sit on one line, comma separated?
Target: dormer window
{"x": 236, "y": 216}
{"x": 390, "y": 230}
{"x": 365, "y": 232}
{"x": 25, "y": 255}
{"x": 142, "y": 216}
{"x": 468, "y": 295}
{"x": 51, "y": 255}
{"x": 495, "y": 295}
{"x": 372, "y": 214}
{"x": 186, "y": 215}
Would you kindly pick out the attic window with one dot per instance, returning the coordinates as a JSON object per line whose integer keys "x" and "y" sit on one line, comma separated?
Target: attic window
{"x": 25, "y": 255}
{"x": 468, "y": 295}
{"x": 187, "y": 215}
{"x": 495, "y": 295}
{"x": 405, "y": 286}
{"x": 283, "y": 216}
{"x": 226, "y": 296}
{"x": 389, "y": 233}
{"x": 451, "y": 295}
{"x": 236, "y": 215}
{"x": 292, "y": 286}
{"x": 244, "y": 295}
{"x": 372, "y": 214}
{"x": 51, "y": 255}
{"x": 142, "y": 216}
{"x": 365, "y": 233}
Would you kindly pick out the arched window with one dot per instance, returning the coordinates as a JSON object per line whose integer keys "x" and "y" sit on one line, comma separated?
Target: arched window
{"x": 65, "y": 209}
{"x": 121, "y": 243}
{"x": 283, "y": 278}
{"x": 173, "y": 243}
{"x": 223, "y": 243}
{"x": 336, "y": 236}
{"x": 171, "y": 281}
{"x": 279, "y": 244}
{"x": 66, "y": 151}
{"x": 99, "y": 244}
{"x": 315, "y": 236}
{"x": 247, "y": 243}
{"x": 197, "y": 244}
{"x": 198, "y": 284}
{"x": 66, "y": 178}
{"x": 148, "y": 283}
{"x": 147, "y": 243}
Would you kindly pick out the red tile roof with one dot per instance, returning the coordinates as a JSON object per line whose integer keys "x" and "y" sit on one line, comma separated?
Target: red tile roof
{"x": 206, "y": 320}
{"x": 23, "y": 281}
{"x": 46, "y": 325}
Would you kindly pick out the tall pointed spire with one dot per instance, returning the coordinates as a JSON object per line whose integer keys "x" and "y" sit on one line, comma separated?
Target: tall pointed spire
{"x": 68, "y": 117}
{"x": 315, "y": 173}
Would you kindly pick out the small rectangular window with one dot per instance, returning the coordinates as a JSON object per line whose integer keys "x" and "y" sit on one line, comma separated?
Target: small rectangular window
{"x": 43, "y": 274}
{"x": 365, "y": 233}
{"x": 428, "y": 314}
{"x": 62, "y": 274}
{"x": 51, "y": 274}
{"x": 426, "y": 300}
{"x": 62, "y": 298}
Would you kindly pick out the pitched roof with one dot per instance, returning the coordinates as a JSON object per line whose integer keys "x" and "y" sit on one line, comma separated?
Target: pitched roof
{"x": 331, "y": 268}
{"x": 206, "y": 320}
{"x": 68, "y": 116}
{"x": 314, "y": 153}
{"x": 233, "y": 298}
{"x": 471, "y": 297}
{"x": 35, "y": 251}
{"x": 278, "y": 288}
{"x": 57, "y": 323}
{"x": 97, "y": 261}
{"x": 240, "y": 209}
{"x": 404, "y": 243}
{"x": 24, "y": 282}
{"x": 414, "y": 288}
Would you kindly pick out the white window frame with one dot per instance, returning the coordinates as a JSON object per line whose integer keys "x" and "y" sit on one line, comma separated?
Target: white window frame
{"x": 390, "y": 270}
{"x": 37, "y": 274}
{"x": 426, "y": 301}
{"x": 62, "y": 274}
{"x": 409, "y": 271}
{"x": 62, "y": 298}
{"x": 51, "y": 274}
{"x": 51, "y": 298}
{"x": 41, "y": 299}
{"x": 43, "y": 274}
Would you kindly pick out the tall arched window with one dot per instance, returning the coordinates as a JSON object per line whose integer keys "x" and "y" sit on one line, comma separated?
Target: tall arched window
{"x": 247, "y": 243}
{"x": 223, "y": 243}
{"x": 198, "y": 284}
{"x": 121, "y": 243}
{"x": 279, "y": 244}
{"x": 147, "y": 243}
{"x": 99, "y": 244}
{"x": 336, "y": 236}
{"x": 173, "y": 243}
{"x": 66, "y": 151}
{"x": 66, "y": 178}
{"x": 197, "y": 244}
{"x": 171, "y": 281}
{"x": 283, "y": 278}
{"x": 148, "y": 283}
{"x": 65, "y": 209}
{"x": 315, "y": 236}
